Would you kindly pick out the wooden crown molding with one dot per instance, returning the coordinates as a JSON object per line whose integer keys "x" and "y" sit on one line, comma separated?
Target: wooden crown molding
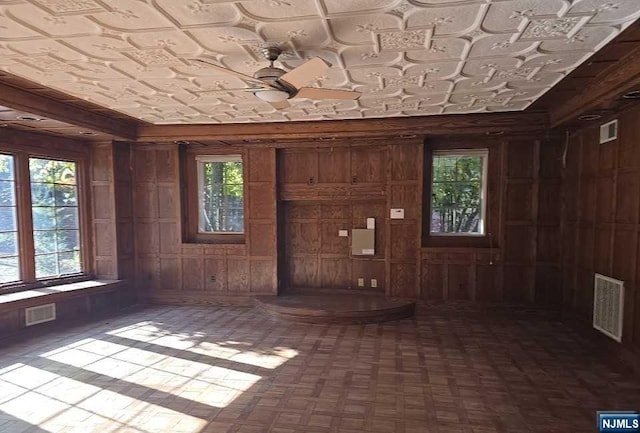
{"x": 23, "y": 100}
{"x": 425, "y": 125}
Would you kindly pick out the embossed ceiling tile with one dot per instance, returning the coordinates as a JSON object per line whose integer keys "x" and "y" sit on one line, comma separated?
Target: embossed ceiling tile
{"x": 496, "y": 46}
{"x": 608, "y": 11}
{"x": 43, "y": 68}
{"x": 372, "y": 74}
{"x": 512, "y": 16}
{"x": 98, "y": 72}
{"x": 429, "y": 87}
{"x": 47, "y": 46}
{"x": 588, "y": 38}
{"x": 128, "y": 16}
{"x": 555, "y": 63}
{"x": 224, "y": 40}
{"x": 50, "y": 25}
{"x": 538, "y": 80}
{"x": 479, "y": 84}
{"x": 279, "y": 10}
{"x": 441, "y": 49}
{"x": 209, "y": 83}
{"x": 486, "y": 67}
{"x": 309, "y": 33}
{"x": 101, "y": 47}
{"x": 448, "y": 21}
{"x": 545, "y": 28}
{"x": 366, "y": 56}
{"x": 12, "y": 30}
{"x": 425, "y": 110}
{"x": 361, "y": 29}
{"x": 199, "y": 13}
{"x": 376, "y": 91}
{"x": 436, "y": 70}
{"x": 423, "y": 101}
{"x": 68, "y": 7}
{"x": 509, "y": 106}
{"x": 433, "y": 3}
{"x": 462, "y": 109}
{"x": 335, "y": 8}
{"x": 132, "y": 69}
{"x": 522, "y": 94}
{"x": 172, "y": 40}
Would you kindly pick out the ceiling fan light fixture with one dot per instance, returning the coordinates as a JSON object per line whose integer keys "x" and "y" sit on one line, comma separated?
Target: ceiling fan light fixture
{"x": 272, "y": 95}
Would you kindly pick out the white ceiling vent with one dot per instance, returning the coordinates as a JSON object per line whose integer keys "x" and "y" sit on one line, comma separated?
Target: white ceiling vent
{"x": 609, "y": 131}
{"x": 40, "y": 314}
{"x": 608, "y": 306}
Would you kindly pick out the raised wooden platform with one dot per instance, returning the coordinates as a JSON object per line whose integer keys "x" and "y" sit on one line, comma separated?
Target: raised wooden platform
{"x": 334, "y": 308}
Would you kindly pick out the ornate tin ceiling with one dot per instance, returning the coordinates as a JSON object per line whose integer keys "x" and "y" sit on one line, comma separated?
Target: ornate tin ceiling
{"x": 409, "y": 58}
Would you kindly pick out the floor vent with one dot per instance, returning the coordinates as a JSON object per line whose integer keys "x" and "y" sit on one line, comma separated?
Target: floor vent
{"x": 40, "y": 314}
{"x": 608, "y": 305}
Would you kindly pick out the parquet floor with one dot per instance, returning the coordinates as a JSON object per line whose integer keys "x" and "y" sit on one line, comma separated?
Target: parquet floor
{"x": 450, "y": 369}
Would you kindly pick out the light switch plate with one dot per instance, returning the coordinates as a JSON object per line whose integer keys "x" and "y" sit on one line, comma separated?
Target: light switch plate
{"x": 374, "y": 283}
{"x": 397, "y": 214}
{"x": 371, "y": 223}
{"x": 343, "y": 233}
{"x": 360, "y": 282}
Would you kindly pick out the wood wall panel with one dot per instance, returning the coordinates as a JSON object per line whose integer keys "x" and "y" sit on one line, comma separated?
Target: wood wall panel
{"x": 525, "y": 178}
{"x": 169, "y": 269}
{"x": 601, "y": 226}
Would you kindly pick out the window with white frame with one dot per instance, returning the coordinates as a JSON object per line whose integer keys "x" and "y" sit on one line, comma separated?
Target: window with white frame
{"x": 458, "y": 192}
{"x": 220, "y": 194}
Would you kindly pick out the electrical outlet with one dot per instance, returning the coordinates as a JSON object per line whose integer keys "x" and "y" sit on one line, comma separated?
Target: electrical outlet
{"x": 212, "y": 278}
{"x": 374, "y": 283}
{"x": 360, "y": 282}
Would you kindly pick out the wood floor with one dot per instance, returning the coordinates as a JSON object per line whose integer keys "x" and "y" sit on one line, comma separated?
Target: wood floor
{"x": 185, "y": 369}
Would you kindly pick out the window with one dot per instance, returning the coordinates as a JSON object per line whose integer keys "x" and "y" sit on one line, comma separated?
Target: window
{"x": 220, "y": 194}
{"x": 54, "y": 207}
{"x": 40, "y": 219}
{"x": 9, "y": 260}
{"x": 458, "y": 192}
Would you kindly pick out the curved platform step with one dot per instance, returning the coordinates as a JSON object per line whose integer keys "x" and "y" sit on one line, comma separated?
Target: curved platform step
{"x": 347, "y": 309}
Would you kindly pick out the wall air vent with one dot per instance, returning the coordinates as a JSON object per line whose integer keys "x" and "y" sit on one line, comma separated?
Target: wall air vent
{"x": 608, "y": 306}
{"x": 608, "y": 131}
{"x": 40, "y": 314}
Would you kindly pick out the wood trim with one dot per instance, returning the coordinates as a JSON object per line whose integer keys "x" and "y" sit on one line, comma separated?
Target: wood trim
{"x": 615, "y": 80}
{"x": 423, "y": 125}
{"x": 23, "y": 100}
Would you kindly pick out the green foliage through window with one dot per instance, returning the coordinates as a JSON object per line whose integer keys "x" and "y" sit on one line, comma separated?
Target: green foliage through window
{"x": 457, "y": 192}
{"x": 221, "y": 199}
{"x": 56, "y": 225}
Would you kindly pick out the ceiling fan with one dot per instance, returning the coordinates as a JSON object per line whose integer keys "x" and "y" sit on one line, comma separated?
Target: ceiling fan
{"x": 276, "y": 86}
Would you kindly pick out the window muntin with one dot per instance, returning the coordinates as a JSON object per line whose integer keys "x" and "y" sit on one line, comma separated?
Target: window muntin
{"x": 9, "y": 251}
{"x": 220, "y": 194}
{"x": 458, "y": 192}
{"x": 56, "y": 225}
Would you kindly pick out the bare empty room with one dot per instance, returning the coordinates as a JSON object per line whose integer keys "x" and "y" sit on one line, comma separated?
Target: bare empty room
{"x": 319, "y": 216}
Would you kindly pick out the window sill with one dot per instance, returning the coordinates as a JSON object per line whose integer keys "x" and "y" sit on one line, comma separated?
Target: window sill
{"x": 52, "y": 293}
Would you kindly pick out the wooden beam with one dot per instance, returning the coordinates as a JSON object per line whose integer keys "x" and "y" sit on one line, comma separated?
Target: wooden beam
{"x": 39, "y": 105}
{"x": 512, "y": 122}
{"x": 602, "y": 90}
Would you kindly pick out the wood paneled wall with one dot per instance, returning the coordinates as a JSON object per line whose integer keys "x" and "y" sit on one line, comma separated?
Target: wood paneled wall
{"x": 169, "y": 270}
{"x": 323, "y": 188}
{"x": 522, "y": 262}
{"x": 601, "y": 219}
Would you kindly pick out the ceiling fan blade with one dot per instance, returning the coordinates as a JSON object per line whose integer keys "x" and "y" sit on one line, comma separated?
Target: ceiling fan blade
{"x": 280, "y": 105}
{"x": 240, "y": 75}
{"x": 316, "y": 93}
{"x": 305, "y": 73}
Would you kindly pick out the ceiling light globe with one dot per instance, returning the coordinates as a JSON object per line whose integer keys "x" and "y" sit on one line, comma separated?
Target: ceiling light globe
{"x": 272, "y": 95}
